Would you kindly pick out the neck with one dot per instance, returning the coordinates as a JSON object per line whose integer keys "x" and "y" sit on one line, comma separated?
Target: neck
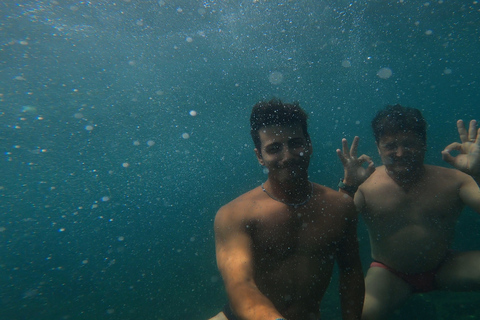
{"x": 290, "y": 191}
{"x": 409, "y": 179}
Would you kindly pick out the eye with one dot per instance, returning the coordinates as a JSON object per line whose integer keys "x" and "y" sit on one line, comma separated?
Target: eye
{"x": 297, "y": 143}
{"x": 274, "y": 148}
{"x": 390, "y": 146}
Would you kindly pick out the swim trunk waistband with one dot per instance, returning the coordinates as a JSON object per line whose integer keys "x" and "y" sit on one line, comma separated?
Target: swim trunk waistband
{"x": 419, "y": 282}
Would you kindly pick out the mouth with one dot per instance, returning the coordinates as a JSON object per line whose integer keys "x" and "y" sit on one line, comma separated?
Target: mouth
{"x": 290, "y": 166}
{"x": 404, "y": 165}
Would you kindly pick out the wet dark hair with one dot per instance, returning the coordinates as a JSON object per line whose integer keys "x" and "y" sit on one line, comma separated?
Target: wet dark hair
{"x": 275, "y": 112}
{"x": 395, "y": 119}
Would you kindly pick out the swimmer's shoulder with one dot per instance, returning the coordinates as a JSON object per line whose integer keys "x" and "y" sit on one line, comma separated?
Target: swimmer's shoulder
{"x": 334, "y": 198}
{"x": 243, "y": 204}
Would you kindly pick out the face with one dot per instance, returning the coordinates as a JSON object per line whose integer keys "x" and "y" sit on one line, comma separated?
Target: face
{"x": 285, "y": 152}
{"x": 402, "y": 153}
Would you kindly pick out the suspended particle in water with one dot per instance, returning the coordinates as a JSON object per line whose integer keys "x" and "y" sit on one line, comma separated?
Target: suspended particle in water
{"x": 346, "y": 64}
{"x": 384, "y": 73}
{"x": 447, "y": 71}
{"x": 179, "y": 10}
{"x": 136, "y": 143}
{"x": 125, "y": 164}
{"x": 121, "y": 238}
{"x": 185, "y": 136}
{"x": 189, "y": 39}
{"x": 193, "y": 113}
{"x": 429, "y": 32}
{"x": 89, "y": 127}
{"x": 61, "y": 230}
{"x": 275, "y": 77}
{"x": 150, "y": 143}
{"x": 105, "y": 198}
{"x": 78, "y": 115}
{"x": 29, "y": 109}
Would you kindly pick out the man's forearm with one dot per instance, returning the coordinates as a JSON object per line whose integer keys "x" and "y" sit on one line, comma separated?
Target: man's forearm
{"x": 352, "y": 293}
{"x": 250, "y": 304}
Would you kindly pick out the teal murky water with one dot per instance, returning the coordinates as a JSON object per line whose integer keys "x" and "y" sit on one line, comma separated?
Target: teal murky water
{"x": 124, "y": 127}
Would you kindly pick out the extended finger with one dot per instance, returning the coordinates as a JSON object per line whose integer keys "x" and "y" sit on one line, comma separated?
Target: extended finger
{"x": 354, "y": 147}
{"x": 472, "y": 131}
{"x": 345, "y": 146}
{"x": 341, "y": 156}
{"x": 462, "y": 131}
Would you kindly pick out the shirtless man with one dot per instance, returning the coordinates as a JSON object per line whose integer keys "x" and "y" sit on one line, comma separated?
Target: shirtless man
{"x": 276, "y": 245}
{"x": 411, "y": 210}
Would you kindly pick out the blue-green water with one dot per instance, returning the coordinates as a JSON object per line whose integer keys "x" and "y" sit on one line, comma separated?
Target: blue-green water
{"x": 110, "y": 185}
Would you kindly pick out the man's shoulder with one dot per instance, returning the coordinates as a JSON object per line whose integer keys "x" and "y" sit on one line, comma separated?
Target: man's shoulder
{"x": 378, "y": 175}
{"x": 241, "y": 203}
{"x": 333, "y": 198}
{"x": 446, "y": 176}
{"x": 325, "y": 193}
{"x": 433, "y": 169}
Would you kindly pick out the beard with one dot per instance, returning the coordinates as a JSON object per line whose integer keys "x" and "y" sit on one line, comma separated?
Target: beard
{"x": 404, "y": 168}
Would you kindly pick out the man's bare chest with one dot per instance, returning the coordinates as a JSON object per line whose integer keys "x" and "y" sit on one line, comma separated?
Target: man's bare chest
{"x": 299, "y": 235}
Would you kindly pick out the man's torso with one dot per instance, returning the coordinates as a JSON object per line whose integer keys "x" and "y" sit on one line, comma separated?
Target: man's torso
{"x": 412, "y": 230}
{"x": 294, "y": 248}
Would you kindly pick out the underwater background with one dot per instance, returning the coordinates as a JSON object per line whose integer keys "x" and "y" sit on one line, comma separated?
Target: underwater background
{"x": 124, "y": 128}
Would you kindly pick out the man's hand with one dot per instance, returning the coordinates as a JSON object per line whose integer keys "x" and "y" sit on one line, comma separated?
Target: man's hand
{"x": 468, "y": 160}
{"x": 355, "y": 172}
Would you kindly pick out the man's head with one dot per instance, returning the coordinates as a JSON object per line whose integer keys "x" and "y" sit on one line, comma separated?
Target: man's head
{"x": 397, "y": 119}
{"x": 282, "y": 143}
{"x": 276, "y": 113}
{"x": 400, "y": 134}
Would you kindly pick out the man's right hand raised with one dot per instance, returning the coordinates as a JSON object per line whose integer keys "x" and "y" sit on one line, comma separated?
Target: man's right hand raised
{"x": 355, "y": 172}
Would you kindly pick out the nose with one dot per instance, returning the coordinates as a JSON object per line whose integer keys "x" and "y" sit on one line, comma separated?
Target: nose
{"x": 400, "y": 151}
{"x": 288, "y": 154}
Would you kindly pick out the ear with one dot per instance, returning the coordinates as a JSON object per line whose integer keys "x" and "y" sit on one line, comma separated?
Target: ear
{"x": 259, "y": 157}
{"x": 310, "y": 148}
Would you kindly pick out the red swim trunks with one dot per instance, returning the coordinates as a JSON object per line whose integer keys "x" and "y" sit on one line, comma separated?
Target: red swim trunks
{"x": 420, "y": 282}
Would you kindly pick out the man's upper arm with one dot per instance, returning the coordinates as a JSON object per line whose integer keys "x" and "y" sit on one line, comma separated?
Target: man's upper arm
{"x": 359, "y": 200}
{"x": 233, "y": 250}
{"x": 347, "y": 252}
{"x": 470, "y": 193}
